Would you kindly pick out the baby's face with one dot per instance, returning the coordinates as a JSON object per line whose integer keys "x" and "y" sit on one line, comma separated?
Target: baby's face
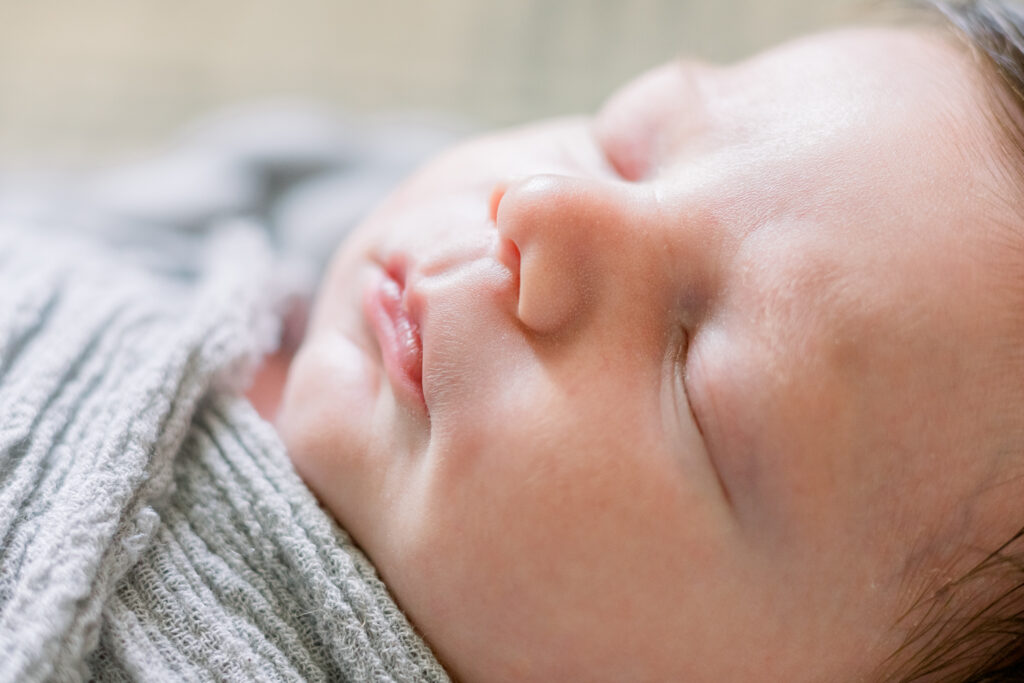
{"x": 713, "y": 385}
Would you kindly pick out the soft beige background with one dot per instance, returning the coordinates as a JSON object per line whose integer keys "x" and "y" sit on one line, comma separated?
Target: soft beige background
{"x": 94, "y": 77}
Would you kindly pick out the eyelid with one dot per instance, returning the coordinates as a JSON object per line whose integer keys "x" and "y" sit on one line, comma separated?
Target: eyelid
{"x": 683, "y": 364}
{"x": 683, "y": 370}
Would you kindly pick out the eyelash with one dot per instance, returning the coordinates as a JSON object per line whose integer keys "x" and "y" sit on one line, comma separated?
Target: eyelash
{"x": 682, "y": 359}
{"x": 683, "y": 355}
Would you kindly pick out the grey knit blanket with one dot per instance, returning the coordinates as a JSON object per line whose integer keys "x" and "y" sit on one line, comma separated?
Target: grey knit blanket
{"x": 151, "y": 525}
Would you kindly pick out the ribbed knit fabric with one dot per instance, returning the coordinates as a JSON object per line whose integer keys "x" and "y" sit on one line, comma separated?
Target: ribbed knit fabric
{"x": 151, "y": 525}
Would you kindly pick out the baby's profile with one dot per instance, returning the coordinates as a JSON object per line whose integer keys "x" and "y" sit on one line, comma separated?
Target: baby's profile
{"x": 721, "y": 384}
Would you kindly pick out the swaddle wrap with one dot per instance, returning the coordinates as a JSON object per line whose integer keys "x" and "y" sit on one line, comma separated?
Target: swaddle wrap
{"x": 151, "y": 525}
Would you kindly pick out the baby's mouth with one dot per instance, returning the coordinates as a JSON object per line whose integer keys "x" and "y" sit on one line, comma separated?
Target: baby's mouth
{"x": 397, "y": 330}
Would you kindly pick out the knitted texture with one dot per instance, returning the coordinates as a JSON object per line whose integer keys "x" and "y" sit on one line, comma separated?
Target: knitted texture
{"x": 151, "y": 525}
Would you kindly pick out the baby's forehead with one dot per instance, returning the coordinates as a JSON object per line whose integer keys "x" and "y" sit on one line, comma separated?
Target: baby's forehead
{"x": 856, "y": 74}
{"x": 863, "y": 122}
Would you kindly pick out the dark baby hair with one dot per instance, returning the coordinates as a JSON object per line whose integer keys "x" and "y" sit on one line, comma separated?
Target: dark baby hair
{"x": 982, "y": 642}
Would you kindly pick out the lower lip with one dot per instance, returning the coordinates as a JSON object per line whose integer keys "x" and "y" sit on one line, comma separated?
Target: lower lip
{"x": 398, "y": 336}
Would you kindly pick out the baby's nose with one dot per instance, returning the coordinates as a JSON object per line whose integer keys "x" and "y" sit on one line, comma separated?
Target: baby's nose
{"x": 576, "y": 238}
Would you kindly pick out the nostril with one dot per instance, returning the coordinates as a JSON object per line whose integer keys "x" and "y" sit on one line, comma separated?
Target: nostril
{"x": 508, "y": 253}
{"x": 496, "y": 194}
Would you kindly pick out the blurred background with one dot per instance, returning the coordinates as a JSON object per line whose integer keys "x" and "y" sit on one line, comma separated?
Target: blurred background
{"x": 81, "y": 78}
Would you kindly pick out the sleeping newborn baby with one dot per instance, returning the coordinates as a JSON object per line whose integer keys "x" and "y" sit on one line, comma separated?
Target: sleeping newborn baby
{"x": 721, "y": 384}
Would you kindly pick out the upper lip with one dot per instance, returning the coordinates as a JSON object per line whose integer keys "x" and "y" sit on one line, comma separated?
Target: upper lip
{"x": 399, "y": 339}
{"x": 398, "y": 268}
{"x": 412, "y": 278}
